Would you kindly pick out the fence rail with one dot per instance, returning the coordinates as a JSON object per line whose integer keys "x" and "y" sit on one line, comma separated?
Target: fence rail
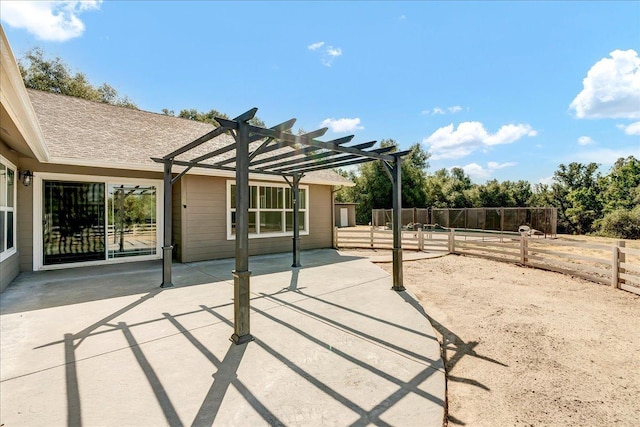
{"x": 614, "y": 265}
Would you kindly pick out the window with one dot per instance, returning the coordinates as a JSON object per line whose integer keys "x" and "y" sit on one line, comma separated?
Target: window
{"x": 270, "y": 210}
{"x": 7, "y": 208}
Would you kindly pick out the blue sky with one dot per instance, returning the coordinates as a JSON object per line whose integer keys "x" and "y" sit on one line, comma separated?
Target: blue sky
{"x": 507, "y": 90}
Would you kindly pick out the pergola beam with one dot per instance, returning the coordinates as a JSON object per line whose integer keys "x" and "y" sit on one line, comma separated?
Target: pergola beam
{"x": 295, "y": 140}
{"x": 297, "y": 152}
{"x": 316, "y": 157}
{"x": 331, "y": 163}
{"x": 276, "y": 146}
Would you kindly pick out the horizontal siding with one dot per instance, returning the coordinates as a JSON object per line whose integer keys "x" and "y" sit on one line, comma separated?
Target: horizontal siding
{"x": 205, "y": 222}
{"x": 176, "y": 218}
{"x": 25, "y": 227}
{"x": 9, "y": 269}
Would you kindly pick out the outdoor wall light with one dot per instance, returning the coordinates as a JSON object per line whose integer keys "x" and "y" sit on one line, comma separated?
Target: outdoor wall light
{"x": 26, "y": 177}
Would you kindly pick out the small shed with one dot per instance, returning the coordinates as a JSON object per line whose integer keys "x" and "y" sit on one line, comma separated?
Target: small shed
{"x": 345, "y": 214}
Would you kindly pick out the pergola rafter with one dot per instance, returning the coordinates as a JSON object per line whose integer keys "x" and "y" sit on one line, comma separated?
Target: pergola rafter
{"x": 292, "y": 156}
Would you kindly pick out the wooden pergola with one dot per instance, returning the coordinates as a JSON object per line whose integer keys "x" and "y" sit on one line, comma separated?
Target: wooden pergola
{"x": 272, "y": 151}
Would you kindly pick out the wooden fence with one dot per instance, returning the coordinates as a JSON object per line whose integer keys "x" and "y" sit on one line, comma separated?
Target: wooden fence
{"x": 614, "y": 265}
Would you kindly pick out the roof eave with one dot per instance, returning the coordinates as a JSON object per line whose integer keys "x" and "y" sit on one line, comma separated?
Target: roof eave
{"x": 15, "y": 99}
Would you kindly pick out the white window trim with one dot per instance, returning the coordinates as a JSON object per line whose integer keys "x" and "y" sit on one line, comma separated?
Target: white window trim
{"x": 9, "y": 252}
{"x": 304, "y": 232}
{"x": 38, "y": 177}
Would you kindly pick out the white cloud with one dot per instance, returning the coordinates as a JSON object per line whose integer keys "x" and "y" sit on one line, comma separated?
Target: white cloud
{"x": 476, "y": 171}
{"x": 632, "y": 129}
{"x": 547, "y": 181}
{"x": 450, "y": 143}
{"x": 441, "y": 111}
{"x": 47, "y": 20}
{"x": 585, "y": 140}
{"x": 342, "y": 125}
{"x": 611, "y": 88}
{"x": 334, "y": 51}
{"x": 315, "y": 46}
{"x": 328, "y": 53}
{"x": 496, "y": 165}
{"x": 605, "y": 156}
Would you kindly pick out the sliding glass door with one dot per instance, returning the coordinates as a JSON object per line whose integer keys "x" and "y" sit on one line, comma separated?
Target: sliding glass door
{"x": 132, "y": 220}
{"x": 73, "y": 222}
{"x": 97, "y": 221}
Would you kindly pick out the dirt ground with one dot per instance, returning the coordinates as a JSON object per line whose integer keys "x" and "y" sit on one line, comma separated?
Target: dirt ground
{"x": 526, "y": 347}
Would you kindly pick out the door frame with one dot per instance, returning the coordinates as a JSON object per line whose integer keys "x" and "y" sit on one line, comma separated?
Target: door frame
{"x": 38, "y": 255}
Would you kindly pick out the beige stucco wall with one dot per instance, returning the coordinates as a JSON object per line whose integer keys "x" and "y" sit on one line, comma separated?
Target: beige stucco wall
{"x": 10, "y": 267}
{"x": 204, "y": 222}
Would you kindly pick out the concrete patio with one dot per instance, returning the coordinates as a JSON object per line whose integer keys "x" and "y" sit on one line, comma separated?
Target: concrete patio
{"x": 105, "y": 346}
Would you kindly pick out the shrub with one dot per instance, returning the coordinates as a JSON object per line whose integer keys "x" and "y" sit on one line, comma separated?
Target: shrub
{"x": 621, "y": 223}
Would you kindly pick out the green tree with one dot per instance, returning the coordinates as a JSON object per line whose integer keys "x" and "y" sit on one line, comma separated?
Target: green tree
{"x": 207, "y": 117}
{"x": 621, "y": 187}
{"x": 576, "y": 194}
{"x": 53, "y": 75}
{"x": 373, "y": 188}
{"x": 449, "y": 189}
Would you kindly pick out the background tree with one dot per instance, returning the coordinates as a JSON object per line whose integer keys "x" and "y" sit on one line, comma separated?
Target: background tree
{"x": 449, "y": 189}
{"x": 373, "y": 188}
{"x": 53, "y": 75}
{"x": 207, "y": 117}
{"x": 575, "y": 192}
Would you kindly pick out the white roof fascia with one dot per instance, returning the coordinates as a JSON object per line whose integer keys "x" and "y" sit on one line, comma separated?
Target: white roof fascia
{"x": 15, "y": 99}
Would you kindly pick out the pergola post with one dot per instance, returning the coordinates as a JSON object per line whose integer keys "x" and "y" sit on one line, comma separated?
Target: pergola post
{"x": 241, "y": 274}
{"x": 396, "y": 175}
{"x": 167, "y": 247}
{"x": 295, "y": 188}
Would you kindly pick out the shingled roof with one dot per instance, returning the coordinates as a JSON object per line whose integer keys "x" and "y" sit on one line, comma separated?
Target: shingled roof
{"x": 81, "y": 132}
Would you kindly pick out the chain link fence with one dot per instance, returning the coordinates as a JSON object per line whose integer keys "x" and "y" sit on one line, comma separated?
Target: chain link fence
{"x": 541, "y": 219}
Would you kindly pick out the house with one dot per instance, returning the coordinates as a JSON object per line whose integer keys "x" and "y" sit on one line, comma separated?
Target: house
{"x": 78, "y": 187}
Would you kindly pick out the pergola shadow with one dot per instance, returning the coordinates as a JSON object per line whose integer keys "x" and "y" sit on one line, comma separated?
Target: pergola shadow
{"x": 295, "y": 316}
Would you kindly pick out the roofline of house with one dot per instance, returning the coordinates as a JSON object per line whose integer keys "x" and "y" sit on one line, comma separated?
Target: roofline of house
{"x": 15, "y": 99}
{"x": 308, "y": 179}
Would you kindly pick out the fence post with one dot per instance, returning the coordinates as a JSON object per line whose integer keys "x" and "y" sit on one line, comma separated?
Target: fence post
{"x": 452, "y": 240}
{"x": 420, "y": 240}
{"x": 614, "y": 267}
{"x": 523, "y": 248}
{"x": 621, "y": 259}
